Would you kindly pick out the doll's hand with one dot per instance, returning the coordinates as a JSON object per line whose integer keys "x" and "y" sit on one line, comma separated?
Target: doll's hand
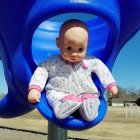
{"x": 34, "y": 96}
{"x": 113, "y": 91}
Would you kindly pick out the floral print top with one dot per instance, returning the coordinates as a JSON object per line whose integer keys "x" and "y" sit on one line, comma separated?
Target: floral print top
{"x": 71, "y": 78}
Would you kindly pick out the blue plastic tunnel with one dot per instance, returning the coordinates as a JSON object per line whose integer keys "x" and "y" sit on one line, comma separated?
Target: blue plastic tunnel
{"x": 23, "y": 46}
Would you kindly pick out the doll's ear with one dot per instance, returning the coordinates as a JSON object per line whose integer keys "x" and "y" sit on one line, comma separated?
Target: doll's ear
{"x": 58, "y": 42}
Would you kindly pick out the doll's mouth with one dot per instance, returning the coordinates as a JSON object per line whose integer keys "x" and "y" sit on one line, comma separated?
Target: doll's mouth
{"x": 73, "y": 60}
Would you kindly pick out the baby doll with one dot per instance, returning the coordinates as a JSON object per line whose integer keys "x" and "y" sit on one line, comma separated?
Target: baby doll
{"x": 69, "y": 85}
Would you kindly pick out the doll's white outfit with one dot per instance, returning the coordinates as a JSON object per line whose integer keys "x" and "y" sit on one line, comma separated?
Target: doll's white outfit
{"x": 70, "y": 86}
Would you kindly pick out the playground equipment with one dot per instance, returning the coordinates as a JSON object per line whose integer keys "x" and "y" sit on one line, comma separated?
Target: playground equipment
{"x": 117, "y": 21}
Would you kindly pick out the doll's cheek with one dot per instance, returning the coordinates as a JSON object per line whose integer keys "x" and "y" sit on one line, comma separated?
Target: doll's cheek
{"x": 65, "y": 53}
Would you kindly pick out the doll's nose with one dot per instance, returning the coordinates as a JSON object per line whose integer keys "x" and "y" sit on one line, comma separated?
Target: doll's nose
{"x": 74, "y": 54}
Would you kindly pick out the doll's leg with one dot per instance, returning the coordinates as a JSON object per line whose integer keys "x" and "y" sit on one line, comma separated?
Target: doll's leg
{"x": 63, "y": 104}
{"x": 89, "y": 107}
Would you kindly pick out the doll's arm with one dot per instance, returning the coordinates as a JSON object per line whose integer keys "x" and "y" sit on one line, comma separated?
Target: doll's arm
{"x": 34, "y": 96}
{"x": 105, "y": 76}
{"x": 37, "y": 84}
{"x": 113, "y": 89}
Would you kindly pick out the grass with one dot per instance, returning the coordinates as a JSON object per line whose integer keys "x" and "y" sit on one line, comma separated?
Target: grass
{"x": 115, "y": 126}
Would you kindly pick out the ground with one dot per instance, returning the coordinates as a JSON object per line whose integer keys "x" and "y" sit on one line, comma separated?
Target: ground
{"x": 115, "y": 126}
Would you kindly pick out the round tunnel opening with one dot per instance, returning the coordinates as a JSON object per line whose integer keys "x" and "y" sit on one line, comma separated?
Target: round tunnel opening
{"x": 44, "y": 37}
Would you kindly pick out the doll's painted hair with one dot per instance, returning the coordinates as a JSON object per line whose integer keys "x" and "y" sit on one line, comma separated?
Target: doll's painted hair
{"x": 72, "y": 23}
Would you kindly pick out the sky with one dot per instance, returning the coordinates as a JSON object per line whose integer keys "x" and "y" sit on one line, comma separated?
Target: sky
{"x": 3, "y": 85}
{"x": 126, "y": 68}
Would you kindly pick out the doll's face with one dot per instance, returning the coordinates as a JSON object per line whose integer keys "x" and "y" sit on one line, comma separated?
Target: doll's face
{"x": 72, "y": 43}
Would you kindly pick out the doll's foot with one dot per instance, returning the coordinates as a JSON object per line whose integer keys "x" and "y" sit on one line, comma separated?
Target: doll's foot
{"x": 89, "y": 107}
{"x": 67, "y": 106}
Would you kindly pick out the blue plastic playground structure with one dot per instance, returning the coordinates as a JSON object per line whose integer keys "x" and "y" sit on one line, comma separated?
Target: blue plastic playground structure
{"x": 115, "y": 23}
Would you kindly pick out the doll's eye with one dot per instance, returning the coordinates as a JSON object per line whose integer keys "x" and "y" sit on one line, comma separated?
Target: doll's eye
{"x": 69, "y": 48}
{"x": 80, "y": 49}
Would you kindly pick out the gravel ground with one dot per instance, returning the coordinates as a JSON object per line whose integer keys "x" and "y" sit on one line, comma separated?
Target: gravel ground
{"x": 6, "y": 134}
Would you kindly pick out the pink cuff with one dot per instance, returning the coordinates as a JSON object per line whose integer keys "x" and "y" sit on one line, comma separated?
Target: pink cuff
{"x": 35, "y": 87}
{"x": 111, "y": 85}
